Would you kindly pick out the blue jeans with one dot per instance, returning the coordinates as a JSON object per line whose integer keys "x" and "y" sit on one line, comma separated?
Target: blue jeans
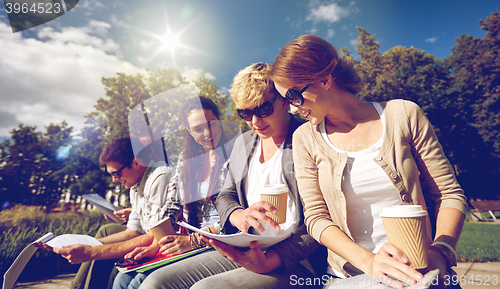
{"x": 130, "y": 280}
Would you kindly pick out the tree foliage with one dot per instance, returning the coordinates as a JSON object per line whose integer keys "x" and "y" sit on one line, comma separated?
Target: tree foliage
{"x": 460, "y": 96}
{"x": 475, "y": 90}
{"x": 32, "y": 165}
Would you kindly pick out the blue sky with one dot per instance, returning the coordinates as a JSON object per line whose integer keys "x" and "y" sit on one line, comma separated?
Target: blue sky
{"x": 53, "y": 72}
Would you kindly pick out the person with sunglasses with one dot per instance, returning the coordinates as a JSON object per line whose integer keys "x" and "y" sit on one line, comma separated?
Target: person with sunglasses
{"x": 148, "y": 179}
{"x": 260, "y": 156}
{"x": 353, "y": 158}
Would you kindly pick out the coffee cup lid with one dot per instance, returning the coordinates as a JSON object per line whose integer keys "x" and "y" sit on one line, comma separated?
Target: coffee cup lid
{"x": 274, "y": 189}
{"x": 403, "y": 211}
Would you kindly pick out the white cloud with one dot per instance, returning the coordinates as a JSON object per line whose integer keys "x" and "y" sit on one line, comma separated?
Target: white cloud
{"x": 82, "y": 36}
{"x": 118, "y": 22}
{"x": 224, "y": 89}
{"x": 117, "y": 4}
{"x": 192, "y": 73}
{"x": 90, "y": 5}
{"x": 312, "y": 30}
{"x": 56, "y": 77}
{"x": 141, "y": 60}
{"x": 330, "y": 33}
{"x": 353, "y": 42}
{"x": 431, "y": 40}
{"x": 146, "y": 45}
{"x": 329, "y": 12}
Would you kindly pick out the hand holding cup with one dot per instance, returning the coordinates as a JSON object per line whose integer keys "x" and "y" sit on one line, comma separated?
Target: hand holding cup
{"x": 277, "y": 196}
{"x": 405, "y": 227}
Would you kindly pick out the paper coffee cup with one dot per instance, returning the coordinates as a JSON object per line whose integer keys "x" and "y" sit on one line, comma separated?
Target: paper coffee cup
{"x": 405, "y": 227}
{"x": 162, "y": 229}
{"x": 276, "y": 195}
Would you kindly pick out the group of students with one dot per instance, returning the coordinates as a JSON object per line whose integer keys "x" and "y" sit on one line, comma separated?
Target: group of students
{"x": 346, "y": 162}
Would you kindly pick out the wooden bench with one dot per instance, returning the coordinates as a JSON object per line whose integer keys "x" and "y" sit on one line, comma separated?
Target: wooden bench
{"x": 484, "y": 206}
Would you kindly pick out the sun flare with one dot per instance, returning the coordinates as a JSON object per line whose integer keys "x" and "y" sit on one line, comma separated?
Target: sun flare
{"x": 170, "y": 42}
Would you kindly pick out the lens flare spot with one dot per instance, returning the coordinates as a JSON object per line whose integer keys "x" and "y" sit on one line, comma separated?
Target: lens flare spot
{"x": 62, "y": 153}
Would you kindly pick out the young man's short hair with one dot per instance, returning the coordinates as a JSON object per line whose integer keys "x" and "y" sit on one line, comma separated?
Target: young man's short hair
{"x": 119, "y": 150}
{"x": 251, "y": 84}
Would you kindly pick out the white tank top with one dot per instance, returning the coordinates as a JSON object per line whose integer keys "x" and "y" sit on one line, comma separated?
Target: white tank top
{"x": 367, "y": 190}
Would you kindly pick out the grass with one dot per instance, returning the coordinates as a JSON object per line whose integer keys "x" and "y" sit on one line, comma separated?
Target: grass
{"x": 479, "y": 242}
{"x": 22, "y": 225}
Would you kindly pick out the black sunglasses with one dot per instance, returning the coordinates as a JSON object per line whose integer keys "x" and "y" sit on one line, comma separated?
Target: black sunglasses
{"x": 116, "y": 174}
{"x": 261, "y": 111}
{"x": 295, "y": 97}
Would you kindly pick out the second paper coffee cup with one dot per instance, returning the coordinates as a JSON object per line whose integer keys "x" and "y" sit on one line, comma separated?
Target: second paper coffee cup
{"x": 405, "y": 227}
{"x": 161, "y": 229}
{"x": 276, "y": 195}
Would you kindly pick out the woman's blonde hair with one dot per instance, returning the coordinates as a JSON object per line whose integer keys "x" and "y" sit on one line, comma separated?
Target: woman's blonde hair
{"x": 251, "y": 84}
{"x": 308, "y": 59}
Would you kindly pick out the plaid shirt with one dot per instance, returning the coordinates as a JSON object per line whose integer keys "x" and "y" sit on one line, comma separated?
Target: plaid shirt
{"x": 176, "y": 194}
{"x": 149, "y": 198}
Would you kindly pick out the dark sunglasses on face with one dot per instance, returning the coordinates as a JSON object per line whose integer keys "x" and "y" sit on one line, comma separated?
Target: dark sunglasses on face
{"x": 117, "y": 174}
{"x": 295, "y": 97}
{"x": 261, "y": 111}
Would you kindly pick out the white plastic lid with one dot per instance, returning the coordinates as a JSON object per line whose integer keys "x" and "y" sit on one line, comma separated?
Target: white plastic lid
{"x": 274, "y": 189}
{"x": 403, "y": 211}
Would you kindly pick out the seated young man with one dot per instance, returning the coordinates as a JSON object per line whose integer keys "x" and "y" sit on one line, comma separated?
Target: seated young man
{"x": 261, "y": 156}
{"x": 148, "y": 182}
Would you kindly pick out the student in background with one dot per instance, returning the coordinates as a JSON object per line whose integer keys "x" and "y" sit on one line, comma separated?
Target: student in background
{"x": 199, "y": 175}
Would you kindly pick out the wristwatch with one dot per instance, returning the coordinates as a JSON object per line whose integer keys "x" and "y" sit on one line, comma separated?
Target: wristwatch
{"x": 447, "y": 251}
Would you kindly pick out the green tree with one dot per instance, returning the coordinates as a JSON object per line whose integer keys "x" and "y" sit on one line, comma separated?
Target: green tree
{"x": 56, "y": 143}
{"x": 122, "y": 94}
{"x": 83, "y": 163}
{"x": 400, "y": 73}
{"x": 31, "y": 168}
{"x": 475, "y": 66}
{"x": 371, "y": 65}
{"x": 459, "y": 96}
{"x": 18, "y": 164}
{"x": 475, "y": 90}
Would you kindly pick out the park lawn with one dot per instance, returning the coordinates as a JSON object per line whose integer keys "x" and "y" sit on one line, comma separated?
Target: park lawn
{"x": 479, "y": 242}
